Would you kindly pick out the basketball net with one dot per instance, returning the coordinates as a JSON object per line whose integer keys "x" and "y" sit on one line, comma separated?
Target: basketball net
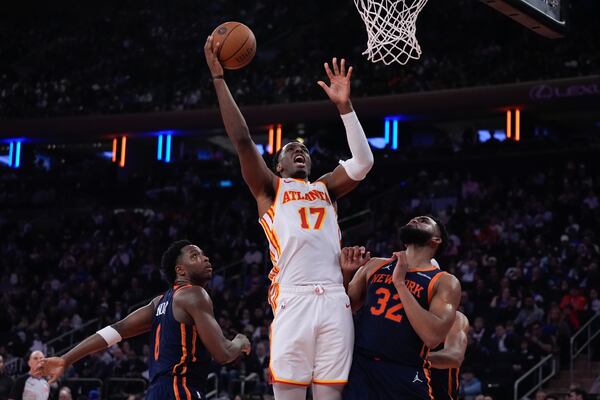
{"x": 391, "y": 29}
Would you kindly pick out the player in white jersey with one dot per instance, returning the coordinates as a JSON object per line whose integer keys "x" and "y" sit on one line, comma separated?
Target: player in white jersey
{"x": 312, "y": 333}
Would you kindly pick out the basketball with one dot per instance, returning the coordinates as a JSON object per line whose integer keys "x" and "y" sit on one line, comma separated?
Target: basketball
{"x": 238, "y": 44}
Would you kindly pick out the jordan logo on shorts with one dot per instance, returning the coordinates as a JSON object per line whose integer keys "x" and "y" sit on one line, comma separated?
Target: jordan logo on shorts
{"x": 417, "y": 378}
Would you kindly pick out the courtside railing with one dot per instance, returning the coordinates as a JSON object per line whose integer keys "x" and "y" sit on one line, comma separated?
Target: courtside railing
{"x": 592, "y": 329}
{"x": 541, "y": 373}
{"x": 13, "y": 366}
{"x": 121, "y": 388}
{"x": 214, "y": 379}
{"x": 68, "y": 339}
{"x": 252, "y": 377}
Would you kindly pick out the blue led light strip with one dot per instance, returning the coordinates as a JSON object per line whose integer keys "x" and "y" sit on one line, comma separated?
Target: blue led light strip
{"x": 160, "y": 146}
{"x": 168, "y": 149}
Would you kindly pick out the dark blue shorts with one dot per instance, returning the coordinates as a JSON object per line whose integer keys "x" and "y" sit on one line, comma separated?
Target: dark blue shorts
{"x": 169, "y": 388}
{"x": 375, "y": 379}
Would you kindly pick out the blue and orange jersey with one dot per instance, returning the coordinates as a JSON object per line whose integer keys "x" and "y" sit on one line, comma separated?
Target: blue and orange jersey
{"x": 382, "y": 327}
{"x": 444, "y": 383}
{"x": 178, "y": 351}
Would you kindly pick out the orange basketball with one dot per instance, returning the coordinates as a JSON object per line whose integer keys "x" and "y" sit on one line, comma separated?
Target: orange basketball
{"x": 238, "y": 44}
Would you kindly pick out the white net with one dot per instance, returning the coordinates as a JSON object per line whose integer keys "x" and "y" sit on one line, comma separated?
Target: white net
{"x": 391, "y": 29}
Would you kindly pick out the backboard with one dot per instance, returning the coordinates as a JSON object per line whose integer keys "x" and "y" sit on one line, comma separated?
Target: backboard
{"x": 546, "y": 17}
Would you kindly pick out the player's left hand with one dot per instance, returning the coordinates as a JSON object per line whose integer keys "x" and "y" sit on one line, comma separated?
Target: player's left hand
{"x": 353, "y": 258}
{"x": 52, "y": 367}
{"x": 401, "y": 269}
{"x": 339, "y": 82}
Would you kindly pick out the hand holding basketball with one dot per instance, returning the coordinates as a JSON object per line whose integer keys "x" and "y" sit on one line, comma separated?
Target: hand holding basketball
{"x": 353, "y": 258}
{"x": 401, "y": 268}
{"x": 339, "y": 83}
{"x": 210, "y": 52}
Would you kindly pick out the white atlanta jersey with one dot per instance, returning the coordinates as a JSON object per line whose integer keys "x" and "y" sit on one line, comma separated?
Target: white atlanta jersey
{"x": 303, "y": 233}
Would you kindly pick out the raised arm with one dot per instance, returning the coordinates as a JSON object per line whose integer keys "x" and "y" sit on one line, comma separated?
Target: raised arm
{"x": 349, "y": 173}
{"x": 196, "y": 303}
{"x": 260, "y": 179}
{"x": 136, "y": 323}
{"x": 455, "y": 345}
{"x": 431, "y": 325}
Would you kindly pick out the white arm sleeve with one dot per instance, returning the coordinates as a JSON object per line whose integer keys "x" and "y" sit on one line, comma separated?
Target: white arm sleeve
{"x": 362, "y": 158}
{"x": 110, "y": 335}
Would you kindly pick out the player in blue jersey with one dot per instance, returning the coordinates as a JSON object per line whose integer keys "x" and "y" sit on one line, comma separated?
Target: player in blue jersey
{"x": 446, "y": 361}
{"x": 405, "y": 306}
{"x": 184, "y": 332}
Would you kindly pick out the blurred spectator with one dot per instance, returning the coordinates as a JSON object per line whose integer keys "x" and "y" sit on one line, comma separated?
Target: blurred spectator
{"x": 31, "y": 386}
{"x": 65, "y": 394}
{"x": 470, "y": 386}
{"x": 6, "y": 381}
{"x": 577, "y": 394}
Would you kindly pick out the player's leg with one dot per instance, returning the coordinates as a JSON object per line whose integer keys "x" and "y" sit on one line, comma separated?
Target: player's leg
{"x": 292, "y": 345}
{"x": 335, "y": 339}
{"x": 327, "y": 392}
{"x": 162, "y": 389}
{"x": 358, "y": 384}
{"x": 284, "y": 391}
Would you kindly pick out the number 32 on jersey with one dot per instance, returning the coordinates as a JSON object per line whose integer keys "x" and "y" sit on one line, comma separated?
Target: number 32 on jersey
{"x": 383, "y": 298}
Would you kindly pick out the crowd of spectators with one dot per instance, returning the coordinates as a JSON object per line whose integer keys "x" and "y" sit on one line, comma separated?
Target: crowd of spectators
{"x": 523, "y": 245}
{"x": 142, "y": 56}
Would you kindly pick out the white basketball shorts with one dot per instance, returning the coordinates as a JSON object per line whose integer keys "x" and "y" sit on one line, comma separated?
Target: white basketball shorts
{"x": 312, "y": 335}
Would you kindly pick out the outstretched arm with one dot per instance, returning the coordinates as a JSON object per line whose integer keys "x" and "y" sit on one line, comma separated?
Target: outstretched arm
{"x": 455, "y": 345}
{"x": 136, "y": 323}
{"x": 260, "y": 179}
{"x": 431, "y": 325}
{"x": 349, "y": 173}
{"x": 196, "y": 303}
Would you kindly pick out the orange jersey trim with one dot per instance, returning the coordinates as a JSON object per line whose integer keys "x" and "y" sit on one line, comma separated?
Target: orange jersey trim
{"x": 273, "y": 273}
{"x": 433, "y": 268}
{"x": 273, "y": 296}
{"x": 188, "y": 395}
{"x": 428, "y": 375}
{"x": 450, "y": 384}
{"x": 177, "y": 287}
{"x": 271, "y": 237}
{"x": 457, "y": 380}
{"x": 303, "y": 384}
{"x": 157, "y": 343}
{"x": 175, "y": 388}
{"x": 330, "y": 382}
{"x": 194, "y": 337}
{"x": 183, "y": 352}
{"x": 432, "y": 286}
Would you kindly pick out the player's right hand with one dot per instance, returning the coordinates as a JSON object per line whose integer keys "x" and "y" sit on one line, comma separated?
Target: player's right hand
{"x": 52, "y": 368}
{"x": 353, "y": 258}
{"x": 211, "y": 57}
{"x": 246, "y": 346}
